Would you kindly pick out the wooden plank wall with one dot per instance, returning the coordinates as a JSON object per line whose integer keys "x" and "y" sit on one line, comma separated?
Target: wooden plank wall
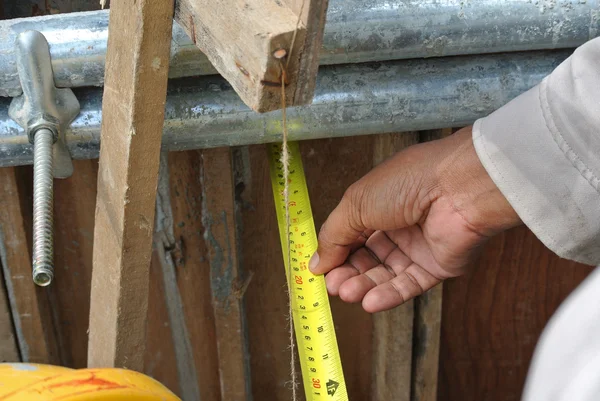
{"x": 491, "y": 318}
{"x": 486, "y": 340}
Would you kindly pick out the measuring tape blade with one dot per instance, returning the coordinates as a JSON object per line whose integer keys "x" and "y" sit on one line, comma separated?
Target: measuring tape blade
{"x": 322, "y": 372}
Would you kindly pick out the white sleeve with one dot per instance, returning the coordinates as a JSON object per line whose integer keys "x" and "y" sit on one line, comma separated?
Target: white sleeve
{"x": 566, "y": 363}
{"x": 543, "y": 151}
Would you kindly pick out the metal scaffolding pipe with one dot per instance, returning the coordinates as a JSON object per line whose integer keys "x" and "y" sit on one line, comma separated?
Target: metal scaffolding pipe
{"x": 355, "y": 99}
{"x": 356, "y": 31}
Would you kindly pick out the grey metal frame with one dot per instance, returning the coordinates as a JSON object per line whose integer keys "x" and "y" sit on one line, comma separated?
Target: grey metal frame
{"x": 387, "y": 93}
{"x": 355, "y": 99}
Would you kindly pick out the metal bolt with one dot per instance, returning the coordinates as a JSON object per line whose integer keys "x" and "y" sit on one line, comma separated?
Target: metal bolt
{"x": 43, "y": 205}
{"x": 44, "y": 111}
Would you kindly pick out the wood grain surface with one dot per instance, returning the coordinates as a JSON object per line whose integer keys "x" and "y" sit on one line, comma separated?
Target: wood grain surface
{"x": 494, "y": 315}
{"x": 137, "y": 64}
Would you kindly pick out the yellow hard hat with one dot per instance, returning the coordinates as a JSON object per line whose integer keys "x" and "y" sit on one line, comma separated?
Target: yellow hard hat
{"x": 33, "y": 382}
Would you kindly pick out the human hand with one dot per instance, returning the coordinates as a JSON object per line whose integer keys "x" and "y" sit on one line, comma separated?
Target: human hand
{"x": 413, "y": 221}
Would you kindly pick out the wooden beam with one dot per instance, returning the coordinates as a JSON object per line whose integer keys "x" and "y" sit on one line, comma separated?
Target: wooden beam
{"x": 393, "y": 329}
{"x": 313, "y": 19}
{"x": 428, "y": 322}
{"x": 29, "y": 304}
{"x": 228, "y": 285}
{"x": 137, "y": 63}
{"x": 240, "y": 39}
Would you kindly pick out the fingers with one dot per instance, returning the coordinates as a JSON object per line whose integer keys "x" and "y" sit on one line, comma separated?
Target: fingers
{"x": 339, "y": 276}
{"x": 379, "y": 261}
{"x": 410, "y": 283}
{"x": 341, "y": 233}
{"x": 381, "y": 275}
{"x": 354, "y": 289}
{"x": 359, "y": 262}
{"x": 387, "y": 252}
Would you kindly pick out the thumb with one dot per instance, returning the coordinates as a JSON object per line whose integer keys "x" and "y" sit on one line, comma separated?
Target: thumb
{"x": 342, "y": 232}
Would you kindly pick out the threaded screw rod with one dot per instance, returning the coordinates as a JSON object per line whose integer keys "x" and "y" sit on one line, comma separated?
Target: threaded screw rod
{"x": 43, "y": 208}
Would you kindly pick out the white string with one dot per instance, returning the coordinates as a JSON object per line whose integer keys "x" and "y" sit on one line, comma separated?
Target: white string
{"x": 285, "y": 161}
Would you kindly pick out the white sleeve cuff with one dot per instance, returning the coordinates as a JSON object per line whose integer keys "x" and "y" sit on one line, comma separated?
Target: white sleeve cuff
{"x": 550, "y": 195}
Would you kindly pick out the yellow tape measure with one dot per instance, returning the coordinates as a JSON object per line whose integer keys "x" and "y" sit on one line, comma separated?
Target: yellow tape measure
{"x": 315, "y": 334}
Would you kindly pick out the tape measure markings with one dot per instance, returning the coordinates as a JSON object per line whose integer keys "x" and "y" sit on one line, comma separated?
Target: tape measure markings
{"x": 322, "y": 373}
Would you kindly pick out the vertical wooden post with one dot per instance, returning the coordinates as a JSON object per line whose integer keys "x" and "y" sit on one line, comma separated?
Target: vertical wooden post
{"x": 227, "y": 284}
{"x": 392, "y": 330}
{"x": 137, "y": 64}
{"x": 428, "y": 322}
{"x": 29, "y": 304}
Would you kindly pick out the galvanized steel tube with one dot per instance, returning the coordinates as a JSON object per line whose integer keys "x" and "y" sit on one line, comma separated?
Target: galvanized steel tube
{"x": 350, "y": 100}
{"x": 356, "y": 31}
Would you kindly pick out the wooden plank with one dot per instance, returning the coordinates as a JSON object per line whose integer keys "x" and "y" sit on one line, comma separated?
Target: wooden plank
{"x": 313, "y": 14}
{"x": 9, "y": 352}
{"x": 393, "y": 329}
{"x": 266, "y": 298}
{"x": 493, "y": 316}
{"x": 428, "y": 321}
{"x": 137, "y": 62}
{"x": 74, "y": 204}
{"x": 193, "y": 270}
{"x": 164, "y": 244}
{"x": 160, "y": 358}
{"x": 30, "y": 305}
{"x": 240, "y": 39}
{"x": 228, "y": 284}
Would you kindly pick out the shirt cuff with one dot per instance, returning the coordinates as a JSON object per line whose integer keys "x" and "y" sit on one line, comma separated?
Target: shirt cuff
{"x": 548, "y": 193}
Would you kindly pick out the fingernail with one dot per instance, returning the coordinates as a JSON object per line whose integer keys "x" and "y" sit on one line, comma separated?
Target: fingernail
{"x": 314, "y": 261}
